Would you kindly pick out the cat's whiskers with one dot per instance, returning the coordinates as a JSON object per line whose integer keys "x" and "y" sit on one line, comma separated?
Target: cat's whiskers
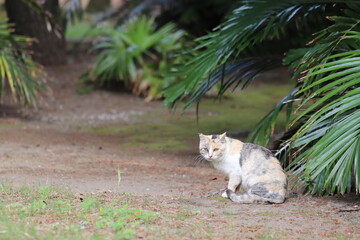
{"x": 198, "y": 159}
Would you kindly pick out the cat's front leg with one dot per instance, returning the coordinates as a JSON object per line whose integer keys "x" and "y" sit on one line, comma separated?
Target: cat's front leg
{"x": 233, "y": 184}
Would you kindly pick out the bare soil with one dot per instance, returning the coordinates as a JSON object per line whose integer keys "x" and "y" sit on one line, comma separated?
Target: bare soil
{"x": 47, "y": 146}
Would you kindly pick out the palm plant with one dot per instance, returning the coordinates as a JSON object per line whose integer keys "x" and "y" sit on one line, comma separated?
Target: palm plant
{"x": 136, "y": 54}
{"x": 17, "y": 71}
{"x": 323, "y": 135}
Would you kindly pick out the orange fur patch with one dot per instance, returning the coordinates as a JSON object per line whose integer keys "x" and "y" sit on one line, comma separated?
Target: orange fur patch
{"x": 235, "y": 146}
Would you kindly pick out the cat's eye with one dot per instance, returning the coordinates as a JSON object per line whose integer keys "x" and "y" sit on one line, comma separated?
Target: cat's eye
{"x": 204, "y": 149}
{"x": 216, "y": 149}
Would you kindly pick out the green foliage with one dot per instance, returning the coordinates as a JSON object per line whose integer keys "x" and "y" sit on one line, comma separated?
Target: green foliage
{"x": 22, "y": 209}
{"x": 246, "y": 45}
{"x": 323, "y": 144}
{"x": 77, "y": 29}
{"x": 60, "y": 207}
{"x": 197, "y": 18}
{"x": 121, "y": 218}
{"x": 89, "y": 205}
{"x": 136, "y": 54}
{"x": 18, "y": 72}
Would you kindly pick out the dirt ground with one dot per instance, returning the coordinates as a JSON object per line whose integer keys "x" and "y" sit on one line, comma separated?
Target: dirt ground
{"x": 48, "y": 147}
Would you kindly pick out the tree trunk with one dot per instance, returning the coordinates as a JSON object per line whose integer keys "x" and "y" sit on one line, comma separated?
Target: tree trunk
{"x": 49, "y": 47}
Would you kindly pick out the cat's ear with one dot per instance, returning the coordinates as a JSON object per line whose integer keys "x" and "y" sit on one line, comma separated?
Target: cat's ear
{"x": 201, "y": 136}
{"x": 222, "y": 137}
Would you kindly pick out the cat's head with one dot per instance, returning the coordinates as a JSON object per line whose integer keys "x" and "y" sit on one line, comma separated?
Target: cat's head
{"x": 212, "y": 147}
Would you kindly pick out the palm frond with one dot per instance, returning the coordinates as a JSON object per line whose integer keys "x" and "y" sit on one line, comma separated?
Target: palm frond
{"x": 328, "y": 141}
{"x": 17, "y": 71}
{"x": 253, "y": 23}
{"x": 232, "y": 75}
{"x": 265, "y": 128}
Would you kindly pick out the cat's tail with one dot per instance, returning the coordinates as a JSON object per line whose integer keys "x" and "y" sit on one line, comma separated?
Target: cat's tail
{"x": 248, "y": 198}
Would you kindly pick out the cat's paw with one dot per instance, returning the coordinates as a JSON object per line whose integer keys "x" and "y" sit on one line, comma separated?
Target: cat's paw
{"x": 229, "y": 193}
{"x": 224, "y": 194}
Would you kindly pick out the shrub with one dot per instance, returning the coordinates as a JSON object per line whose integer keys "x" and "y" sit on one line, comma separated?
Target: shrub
{"x": 137, "y": 55}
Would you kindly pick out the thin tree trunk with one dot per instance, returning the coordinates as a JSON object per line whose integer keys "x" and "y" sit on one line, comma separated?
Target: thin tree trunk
{"x": 49, "y": 47}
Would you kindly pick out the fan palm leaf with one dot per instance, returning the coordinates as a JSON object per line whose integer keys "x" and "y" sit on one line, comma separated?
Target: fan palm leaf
{"x": 17, "y": 71}
{"x": 331, "y": 135}
{"x": 250, "y": 25}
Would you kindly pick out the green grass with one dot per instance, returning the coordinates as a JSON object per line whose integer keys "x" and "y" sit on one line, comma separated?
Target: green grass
{"x": 49, "y": 213}
{"x": 53, "y": 213}
{"x": 235, "y": 112}
{"x": 269, "y": 235}
{"x": 8, "y": 126}
{"x": 219, "y": 199}
{"x": 56, "y": 213}
{"x": 77, "y": 30}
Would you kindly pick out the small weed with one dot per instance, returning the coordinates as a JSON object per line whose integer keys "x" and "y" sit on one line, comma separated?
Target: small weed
{"x": 35, "y": 207}
{"x": 303, "y": 213}
{"x": 60, "y": 207}
{"x": 186, "y": 213}
{"x": 118, "y": 218}
{"x": 88, "y": 205}
{"x": 84, "y": 90}
{"x": 44, "y": 192}
{"x": 264, "y": 214}
{"x": 127, "y": 233}
{"x": 340, "y": 236}
{"x": 219, "y": 199}
{"x": 268, "y": 235}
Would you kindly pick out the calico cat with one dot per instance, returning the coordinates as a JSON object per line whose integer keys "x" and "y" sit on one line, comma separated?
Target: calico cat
{"x": 253, "y": 167}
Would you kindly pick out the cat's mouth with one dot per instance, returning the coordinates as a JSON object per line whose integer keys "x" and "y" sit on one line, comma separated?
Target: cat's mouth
{"x": 210, "y": 159}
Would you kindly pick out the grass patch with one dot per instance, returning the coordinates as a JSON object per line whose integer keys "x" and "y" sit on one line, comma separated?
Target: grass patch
{"x": 265, "y": 214}
{"x": 8, "y": 126}
{"x": 78, "y": 29}
{"x": 219, "y": 199}
{"x": 236, "y": 112}
{"x": 48, "y": 213}
{"x": 269, "y": 235}
{"x": 51, "y": 213}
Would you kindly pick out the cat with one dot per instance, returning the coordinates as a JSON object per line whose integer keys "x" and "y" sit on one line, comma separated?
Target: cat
{"x": 253, "y": 167}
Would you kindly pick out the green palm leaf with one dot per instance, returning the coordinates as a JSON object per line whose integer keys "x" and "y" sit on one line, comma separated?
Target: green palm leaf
{"x": 17, "y": 71}
{"x": 253, "y": 23}
{"x": 329, "y": 138}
